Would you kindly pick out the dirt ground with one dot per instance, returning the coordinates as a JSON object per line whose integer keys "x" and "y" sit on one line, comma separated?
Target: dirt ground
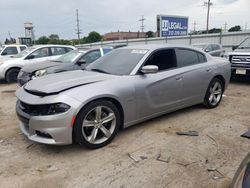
{"x": 146, "y": 155}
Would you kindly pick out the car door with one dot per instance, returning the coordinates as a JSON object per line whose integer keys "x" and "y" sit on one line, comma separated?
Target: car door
{"x": 159, "y": 92}
{"x": 56, "y": 52}
{"x": 38, "y": 55}
{"x": 9, "y": 50}
{"x": 88, "y": 58}
{"x": 197, "y": 72}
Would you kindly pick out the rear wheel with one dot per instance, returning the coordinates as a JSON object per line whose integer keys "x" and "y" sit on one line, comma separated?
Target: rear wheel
{"x": 97, "y": 124}
{"x": 11, "y": 75}
{"x": 214, "y": 93}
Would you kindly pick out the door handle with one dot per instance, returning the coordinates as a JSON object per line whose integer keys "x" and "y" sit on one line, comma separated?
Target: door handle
{"x": 178, "y": 78}
{"x": 209, "y": 70}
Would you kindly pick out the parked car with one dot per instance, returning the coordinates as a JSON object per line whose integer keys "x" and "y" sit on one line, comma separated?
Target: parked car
{"x": 11, "y": 49}
{"x": 126, "y": 86}
{"x": 73, "y": 60}
{"x": 240, "y": 58}
{"x": 242, "y": 176}
{"x": 212, "y": 49}
{"x": 9, "y": 68}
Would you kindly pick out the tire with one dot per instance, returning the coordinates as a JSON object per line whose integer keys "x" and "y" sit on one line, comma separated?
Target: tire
{"x": 90, "y": 130}
{"x": 11, "y": 75}
{"x": 214, "y": 93}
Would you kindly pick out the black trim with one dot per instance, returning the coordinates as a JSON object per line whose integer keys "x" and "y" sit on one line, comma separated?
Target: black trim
{"x": 43, "y": 94}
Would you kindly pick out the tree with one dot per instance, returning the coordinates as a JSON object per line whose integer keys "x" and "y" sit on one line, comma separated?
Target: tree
{"x": 10, "y": 41}
{"x": 93, "y": 37}
{"x": 54, "y": 37}
{"x": 235, "y": 28}
{"x": 150, "y": 34}
{"x": 42, "y": 40}
{"x": 215, "y": 30}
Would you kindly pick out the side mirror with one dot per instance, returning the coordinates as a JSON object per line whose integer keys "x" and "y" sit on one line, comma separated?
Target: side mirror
{"x": 149, "y": 69}
{"x": 206, "y": 50}
{"x": 4, "y": 53}
{"x": 234, "y": 47}
{"x": 30, "y": 57}
{"x": 81, "y": 62}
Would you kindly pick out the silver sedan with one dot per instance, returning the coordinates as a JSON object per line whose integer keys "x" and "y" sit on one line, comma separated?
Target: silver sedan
{"x": 127, "y": 86}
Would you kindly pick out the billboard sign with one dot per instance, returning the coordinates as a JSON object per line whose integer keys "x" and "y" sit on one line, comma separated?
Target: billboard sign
{"x": 172, "y": 25}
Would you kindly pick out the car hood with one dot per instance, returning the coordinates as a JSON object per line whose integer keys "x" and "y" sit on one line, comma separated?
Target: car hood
{"x": 56, "y": 83}
{"x": 240, "y": 52}
{"x": 41, "y": 65}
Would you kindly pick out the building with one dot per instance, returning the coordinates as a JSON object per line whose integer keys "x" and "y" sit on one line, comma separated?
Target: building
{"x": 120, "y": 35}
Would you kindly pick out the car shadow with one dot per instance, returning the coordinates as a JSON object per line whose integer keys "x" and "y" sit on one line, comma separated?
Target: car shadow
{"x": 242, "y": 80}
{"x": 77, "y": 149}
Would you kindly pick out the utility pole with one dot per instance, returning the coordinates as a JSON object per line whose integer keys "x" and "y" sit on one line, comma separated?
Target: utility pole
{"x": 78, "y": 31}
{"x": 225, "y": 27}
{"x": 194, "y": 26}
{"x": 142, "y": 23}
{"x": 208, "y": 4}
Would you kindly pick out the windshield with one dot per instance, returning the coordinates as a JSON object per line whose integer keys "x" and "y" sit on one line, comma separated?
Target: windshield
{"x": 245, "y": 44}
{"x": 69, "y": 57}
{"x": 24, "y": 53}
{"x": 118, "y": 62}
{"x": 199, "y": 45}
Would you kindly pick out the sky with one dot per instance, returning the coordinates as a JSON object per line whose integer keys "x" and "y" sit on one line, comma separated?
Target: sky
{"x": 59, "y": 16}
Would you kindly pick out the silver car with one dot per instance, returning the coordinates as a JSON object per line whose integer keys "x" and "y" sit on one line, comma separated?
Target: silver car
{"x": 212, "y": 49}
{"x": 125, "y": 87}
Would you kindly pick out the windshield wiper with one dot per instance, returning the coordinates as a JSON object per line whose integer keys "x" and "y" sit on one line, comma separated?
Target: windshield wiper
{"x": 57, "y": 61}
{"x": 99, "y": 70}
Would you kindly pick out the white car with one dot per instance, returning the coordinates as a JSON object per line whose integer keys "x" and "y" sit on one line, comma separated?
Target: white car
{"x": 11, "y": 49}
{"x": 9, "y": 68}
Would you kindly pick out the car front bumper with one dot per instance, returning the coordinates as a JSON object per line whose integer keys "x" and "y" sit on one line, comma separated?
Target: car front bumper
{"x": 47, "y": 129}
{"x": 23, "y": 78}
{"x": 241, "y": 71}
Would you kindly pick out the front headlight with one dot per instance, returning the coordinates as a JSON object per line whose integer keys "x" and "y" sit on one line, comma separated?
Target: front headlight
{"x": 56, "y": 108}
{"x": 40, "y": 73}
{"x": 43, "y": 109}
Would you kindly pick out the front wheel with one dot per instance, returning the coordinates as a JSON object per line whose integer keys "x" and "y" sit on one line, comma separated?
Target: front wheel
{"x": 11, "y": 75}
{"x": 214, "y": 93}
{"x": 97, "y": 124}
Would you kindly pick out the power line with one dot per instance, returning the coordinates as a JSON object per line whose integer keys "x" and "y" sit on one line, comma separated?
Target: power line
{"x": 78, "y": 31}
{"x": 208, "y": 4}
{"x": 142, "y": 23}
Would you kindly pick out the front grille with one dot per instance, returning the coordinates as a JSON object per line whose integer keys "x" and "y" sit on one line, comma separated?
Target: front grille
{"x": 32, "y": 110}
{"x": 240, "y": 59}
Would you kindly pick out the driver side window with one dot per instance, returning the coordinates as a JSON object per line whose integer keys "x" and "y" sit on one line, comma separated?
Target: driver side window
{"x": 164, "y": 59}
{"x": 91, "y": 56}
{"x": 43, "y": 52}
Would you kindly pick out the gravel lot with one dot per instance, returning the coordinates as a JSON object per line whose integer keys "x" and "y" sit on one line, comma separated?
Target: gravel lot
{"x": 147, "y": 155}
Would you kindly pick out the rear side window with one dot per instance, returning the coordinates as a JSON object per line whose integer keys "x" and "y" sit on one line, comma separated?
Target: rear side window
{"x": 10, "y": 51}
{"x": 106, "y": 50}
{"x": 186, "y": 57}
{"x": 201, "y": 57}
{"x": 22, "y": 48}
{"x": 215, "y": 47}
{"x": 58, "y": 51}
{"x": 68, "y": 49}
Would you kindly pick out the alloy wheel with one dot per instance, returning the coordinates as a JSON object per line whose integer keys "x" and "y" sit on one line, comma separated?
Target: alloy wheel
{"x": 215, "y": 93}
{"x": 99, "y": 125}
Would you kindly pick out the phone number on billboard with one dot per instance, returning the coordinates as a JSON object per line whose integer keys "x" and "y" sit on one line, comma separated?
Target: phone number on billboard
{"x": 175, "y": 33}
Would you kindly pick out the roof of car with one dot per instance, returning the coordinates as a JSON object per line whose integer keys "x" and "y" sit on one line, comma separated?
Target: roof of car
{"x": 157, "y": 46}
